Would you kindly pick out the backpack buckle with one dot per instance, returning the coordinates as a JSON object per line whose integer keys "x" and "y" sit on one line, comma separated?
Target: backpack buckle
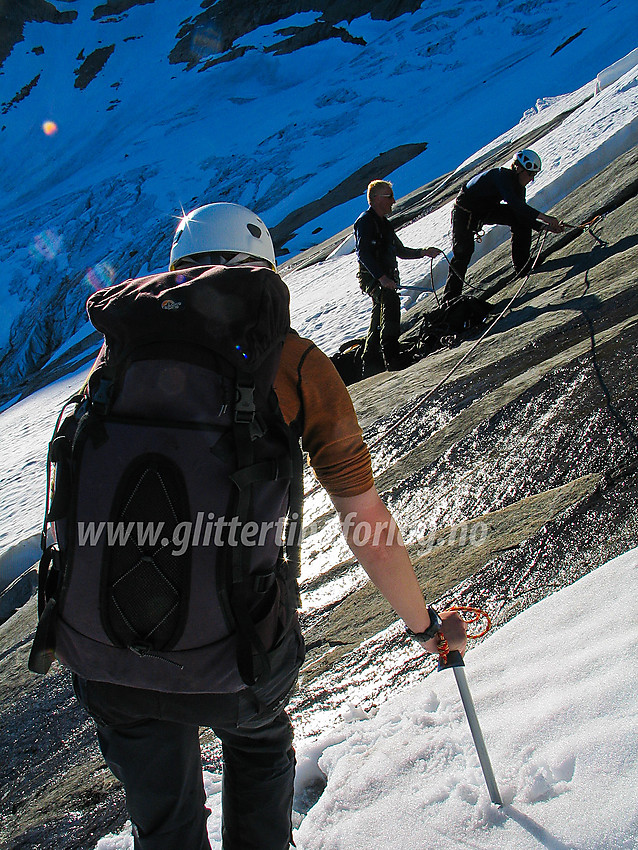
{"x": 245, "y": 403}
{"x": 101, "y": 397}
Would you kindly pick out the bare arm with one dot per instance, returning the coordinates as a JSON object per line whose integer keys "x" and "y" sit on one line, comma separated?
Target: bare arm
{"x": 375, "y": 540}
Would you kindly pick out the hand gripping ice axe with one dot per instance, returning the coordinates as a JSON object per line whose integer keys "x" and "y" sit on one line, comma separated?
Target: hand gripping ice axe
{"x": 454, "y": 660}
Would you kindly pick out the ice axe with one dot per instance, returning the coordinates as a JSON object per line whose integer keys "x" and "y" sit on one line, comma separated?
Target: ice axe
{"x": 453, "y": 659}
{"x": 418, "y": 288}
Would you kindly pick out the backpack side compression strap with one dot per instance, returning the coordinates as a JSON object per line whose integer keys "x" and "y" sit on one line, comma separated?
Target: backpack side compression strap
{"x": 295, "y": 514}
{"x": 238, "y": 557}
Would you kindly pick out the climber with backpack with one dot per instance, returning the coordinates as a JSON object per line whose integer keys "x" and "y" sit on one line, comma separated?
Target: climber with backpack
{"x": 170, "y": 590}
{"x": 496, "y": 196}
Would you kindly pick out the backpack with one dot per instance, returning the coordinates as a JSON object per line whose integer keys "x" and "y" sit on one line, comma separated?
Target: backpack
{"x": 348, "y": 361}
{"x": 176, "y": 498}
{"x": 443, "y": 327}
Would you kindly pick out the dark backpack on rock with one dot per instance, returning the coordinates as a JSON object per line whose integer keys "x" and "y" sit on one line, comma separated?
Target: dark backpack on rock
{"x": 444, "y": 327}
{"x": 348, "y": 361}
{"x": 176, "y": 501}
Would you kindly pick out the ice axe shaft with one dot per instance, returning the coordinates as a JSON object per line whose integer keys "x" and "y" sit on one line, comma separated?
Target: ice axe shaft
{"x": 417, "y": 288}
{"x": 455, "y": 661}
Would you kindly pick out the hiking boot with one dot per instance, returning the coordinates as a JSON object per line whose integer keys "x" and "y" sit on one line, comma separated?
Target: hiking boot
{"x": 400, "y": 361}
{"x": 525, "y": 269}
{"x": 372, "y": 368}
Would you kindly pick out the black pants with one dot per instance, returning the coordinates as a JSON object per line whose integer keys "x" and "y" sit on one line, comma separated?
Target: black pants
{"x": 382, "y": 341}
{"x": 150, "y": 741}
{"x": 464, "y": 227}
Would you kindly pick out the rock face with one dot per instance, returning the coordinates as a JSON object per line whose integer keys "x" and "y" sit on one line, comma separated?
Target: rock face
{"x": 92, "y": 65}
{"x": 214, "y": 31}
{"x": 16, "y": 14}
{"x": 530, "y": 449}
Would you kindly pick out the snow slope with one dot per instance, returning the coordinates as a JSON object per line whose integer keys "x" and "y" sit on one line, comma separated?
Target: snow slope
{"x": 555, "y": 693}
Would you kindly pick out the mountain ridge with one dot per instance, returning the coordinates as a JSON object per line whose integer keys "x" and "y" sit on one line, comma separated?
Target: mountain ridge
{"x": 133, "y": 137}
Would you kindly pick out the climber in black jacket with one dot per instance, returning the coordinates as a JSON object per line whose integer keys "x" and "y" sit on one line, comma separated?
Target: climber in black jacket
{"x": 496, "y": 196}
{"x": 378, "y": 247}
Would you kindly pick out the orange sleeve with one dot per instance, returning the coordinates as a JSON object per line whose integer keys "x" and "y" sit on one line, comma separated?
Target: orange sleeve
{"x": 313, "y": 398}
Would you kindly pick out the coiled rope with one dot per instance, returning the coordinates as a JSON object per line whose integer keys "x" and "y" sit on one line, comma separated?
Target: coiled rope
{"x": 476, "y": 614}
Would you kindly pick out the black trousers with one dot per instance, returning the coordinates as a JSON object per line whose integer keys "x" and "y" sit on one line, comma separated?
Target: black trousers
{"x": 150, "y": 742}
{"x": 464, "y": 227}
{"x": 381, "y": 347}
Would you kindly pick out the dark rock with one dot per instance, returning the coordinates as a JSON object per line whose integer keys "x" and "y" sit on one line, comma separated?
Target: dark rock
{"x": 116, "y": 7}
{"x": 17, "y": 13}
{"x": 92, "y": 65}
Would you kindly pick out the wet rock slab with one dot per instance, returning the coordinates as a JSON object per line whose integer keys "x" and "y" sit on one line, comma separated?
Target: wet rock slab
{"x": 533, "y": 442}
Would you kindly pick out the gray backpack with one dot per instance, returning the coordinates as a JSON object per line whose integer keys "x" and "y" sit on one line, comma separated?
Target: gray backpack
{"x": 176, "y": 498}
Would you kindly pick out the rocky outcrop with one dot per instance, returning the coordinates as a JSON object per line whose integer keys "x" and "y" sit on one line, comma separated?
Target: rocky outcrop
{"x": 294, "y": 38}
{"x": 25, "y": 91}
{"x": 17, "y": 13}
{"x": 92, "y": 65}
{"x": 116, "y": 7}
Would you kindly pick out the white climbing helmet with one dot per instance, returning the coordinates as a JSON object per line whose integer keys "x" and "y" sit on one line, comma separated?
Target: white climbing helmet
{"x": 228, "y": 229}
{"x": 529, "y": 160}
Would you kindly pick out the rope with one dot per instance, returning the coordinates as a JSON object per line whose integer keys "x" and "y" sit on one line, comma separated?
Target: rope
{"x": 431, "y": 287}
{"x": 476, "y": 615}
{"x": 468, "y": 353}
{"x": 462, "y": 279}
{"x": 586, "y": 227}
{"x": 434, "y": 292}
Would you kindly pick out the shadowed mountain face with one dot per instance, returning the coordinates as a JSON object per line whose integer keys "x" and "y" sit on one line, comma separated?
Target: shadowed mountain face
{"x": 523, "y": 467}
{"x": 14, "y": 14}
{"x": 116, "y": 115}
{"x": 215, "y": 31}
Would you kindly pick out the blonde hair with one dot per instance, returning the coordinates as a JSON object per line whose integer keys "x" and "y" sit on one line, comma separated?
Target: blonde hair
{"x": 375, "y": 188}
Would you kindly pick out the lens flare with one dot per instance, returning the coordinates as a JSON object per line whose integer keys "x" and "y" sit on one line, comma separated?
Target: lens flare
{"x": 100, "y": 276}
{"x": 49, "y": 128}
{"x": 206, "y": 41}
{"x": 46, "y": 245}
